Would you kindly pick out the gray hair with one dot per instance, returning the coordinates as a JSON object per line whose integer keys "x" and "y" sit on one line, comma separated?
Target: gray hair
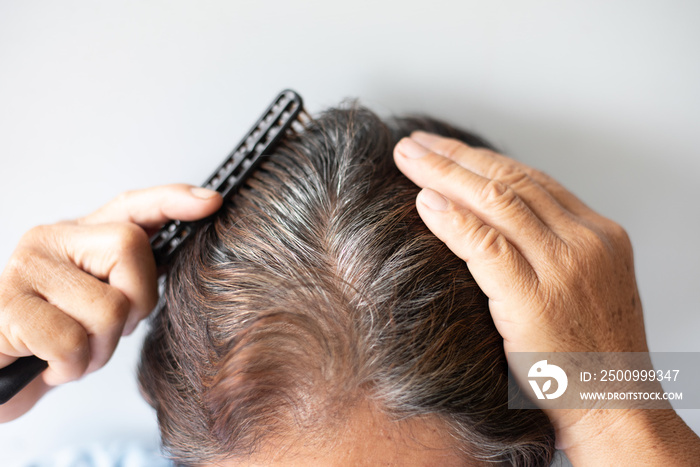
{"x": 318, "y": 286}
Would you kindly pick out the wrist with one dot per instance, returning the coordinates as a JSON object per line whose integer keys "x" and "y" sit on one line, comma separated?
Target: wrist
{"x": 626, "y": 437}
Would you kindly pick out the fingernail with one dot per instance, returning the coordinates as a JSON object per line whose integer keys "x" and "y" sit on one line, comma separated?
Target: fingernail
{"x": 425, "y": 139}
{"x": 203, "y": 193}
{"x": 433, "y": 199}
{"x": 411, "y": 149}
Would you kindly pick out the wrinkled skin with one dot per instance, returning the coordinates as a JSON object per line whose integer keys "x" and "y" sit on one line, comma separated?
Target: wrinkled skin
{"x": 72, "y": 289}
{"x": 559, "y": 277}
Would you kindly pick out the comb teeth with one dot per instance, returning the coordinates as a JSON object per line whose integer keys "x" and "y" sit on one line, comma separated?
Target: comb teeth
{"x": 285, "y": 116}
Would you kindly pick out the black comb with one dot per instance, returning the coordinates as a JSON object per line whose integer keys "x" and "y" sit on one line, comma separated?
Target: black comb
{"x": 284, "y": 116}
{"x": 285, "y": 113}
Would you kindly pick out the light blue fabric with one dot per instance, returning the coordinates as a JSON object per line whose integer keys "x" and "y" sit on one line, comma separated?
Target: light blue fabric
{"x": 111, "y": 455}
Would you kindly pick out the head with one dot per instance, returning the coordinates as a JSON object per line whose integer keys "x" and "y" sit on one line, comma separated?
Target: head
{"x": 316, "y": 315}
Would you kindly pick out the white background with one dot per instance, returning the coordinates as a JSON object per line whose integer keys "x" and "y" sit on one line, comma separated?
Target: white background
{"x": 100, "y": 97}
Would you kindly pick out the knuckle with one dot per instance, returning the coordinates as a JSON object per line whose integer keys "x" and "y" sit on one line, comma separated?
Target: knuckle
{"x": 130, "y": 238}
{"x": 23, "y": 269}
{"x": 74, "y": 345}
{"x": 515, "y": 177}
{"x": 17, "y": 263}
{"x": 113, "y": 310}
{"x": 484, "y": 239}
{"x": 618, "y": 234}
{"x": 590, "y": 249}
{"x": 496, "y": 195}
{"x": 602, "y": 236}
{"x": 500, "y": 171}
{"x": 123, "y": 197}
{"x": 12, "y": 332}
{"x": 490, "y": 242}
{"x": 12, "y": 305}
{"x": 10, "y": 295}
{"x": 591, "y": 239}
{"x": 37, "y": 235}
{"x": 74, "y": 339}
{"x": 508, "y": 174}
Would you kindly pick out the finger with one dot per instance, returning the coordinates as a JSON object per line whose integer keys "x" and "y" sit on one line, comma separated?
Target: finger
{"x": 494, "y": 202}
{"x": 25, "y": 324}
{"x": 484, "y": 163}
{"x": 152, "y": 207}
{"x": 102, "y": 310}
{"x": 498, "y": 268}
{"x": 491, "y": 164}
{"x": 119, "y": 254}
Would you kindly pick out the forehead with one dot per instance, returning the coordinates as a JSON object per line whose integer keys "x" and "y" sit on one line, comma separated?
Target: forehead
{"x": 365, "y": 436}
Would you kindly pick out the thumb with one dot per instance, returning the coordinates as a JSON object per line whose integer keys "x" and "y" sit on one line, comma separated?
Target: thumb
{"x": 152, "y": 207}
